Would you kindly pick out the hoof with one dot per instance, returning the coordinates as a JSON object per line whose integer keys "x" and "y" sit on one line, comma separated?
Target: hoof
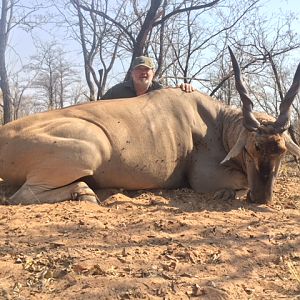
{"x": 224, "y": 195}
{"x": 84, "y": 193}
{"x": 88, "y": 198}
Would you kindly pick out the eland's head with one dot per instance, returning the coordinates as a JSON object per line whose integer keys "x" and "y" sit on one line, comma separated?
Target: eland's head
{"x": 263, "y": 143}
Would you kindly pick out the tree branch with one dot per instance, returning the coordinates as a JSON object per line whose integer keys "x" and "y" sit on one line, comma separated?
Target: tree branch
{"x": 99, "y": 13}
{"x": 178, "y": 11}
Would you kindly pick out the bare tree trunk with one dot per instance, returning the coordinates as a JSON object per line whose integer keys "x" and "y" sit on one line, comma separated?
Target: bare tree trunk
{"x": 86, "y": 55}
{"x": 142, "y": 36}
{"x": 4, "y": 83}
{"x": 100, "y": 94}
{"x": 61, "y": 93}
{"x": 5, "y": 90}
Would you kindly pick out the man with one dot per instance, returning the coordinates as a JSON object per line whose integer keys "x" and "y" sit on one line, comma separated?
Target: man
{"x": 141, "y": 82}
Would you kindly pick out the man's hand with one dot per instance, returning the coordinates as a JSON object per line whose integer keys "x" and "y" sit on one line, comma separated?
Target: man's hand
{"x": 186, "y": 87}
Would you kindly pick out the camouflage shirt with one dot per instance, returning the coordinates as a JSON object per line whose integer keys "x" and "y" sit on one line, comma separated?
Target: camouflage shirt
{"x": 126, "y": 90}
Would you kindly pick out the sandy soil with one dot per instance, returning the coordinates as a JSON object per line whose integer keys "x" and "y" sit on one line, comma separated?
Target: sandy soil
{"x": 154, "y": 245}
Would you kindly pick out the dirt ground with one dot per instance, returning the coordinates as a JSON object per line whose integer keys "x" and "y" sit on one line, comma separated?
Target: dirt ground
{"x": 154, "y": 245}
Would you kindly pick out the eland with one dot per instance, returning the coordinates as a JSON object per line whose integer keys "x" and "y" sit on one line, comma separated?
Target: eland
{"x": 162, "y": 140}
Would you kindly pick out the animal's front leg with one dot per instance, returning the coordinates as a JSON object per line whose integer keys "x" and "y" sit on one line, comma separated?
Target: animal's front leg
{"x": 32, "y": 194}
{"x": 225, "y": 181}
{"x": 229, "y": 194}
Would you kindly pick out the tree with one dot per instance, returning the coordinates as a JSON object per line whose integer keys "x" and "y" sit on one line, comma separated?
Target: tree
{"x": 189, "y": 38}
{"x": 18, "y": 88}
{"x": 14, "y": 13}
{"x": 5, "y": 27}
{"x": 111, "y": 32}
{"x": 55, "y": 76}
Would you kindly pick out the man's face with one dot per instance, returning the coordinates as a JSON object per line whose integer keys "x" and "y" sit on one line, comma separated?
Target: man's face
{"x": 142, "y": 75}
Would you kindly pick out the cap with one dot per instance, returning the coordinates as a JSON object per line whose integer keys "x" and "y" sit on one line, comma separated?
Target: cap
{"x": 143, "y": 61}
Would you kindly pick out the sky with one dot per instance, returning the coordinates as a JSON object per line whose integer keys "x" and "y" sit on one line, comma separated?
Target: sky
{"x": 22, "y": 44}
{"x": 286, "y": 5}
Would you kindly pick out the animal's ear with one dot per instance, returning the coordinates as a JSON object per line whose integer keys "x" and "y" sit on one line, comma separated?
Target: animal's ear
{"x": 291, "y": 146}
{"x": 238, "y": 147}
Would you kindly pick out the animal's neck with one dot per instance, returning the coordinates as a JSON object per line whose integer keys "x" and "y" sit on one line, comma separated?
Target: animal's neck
{"x": 232, "y": 126}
